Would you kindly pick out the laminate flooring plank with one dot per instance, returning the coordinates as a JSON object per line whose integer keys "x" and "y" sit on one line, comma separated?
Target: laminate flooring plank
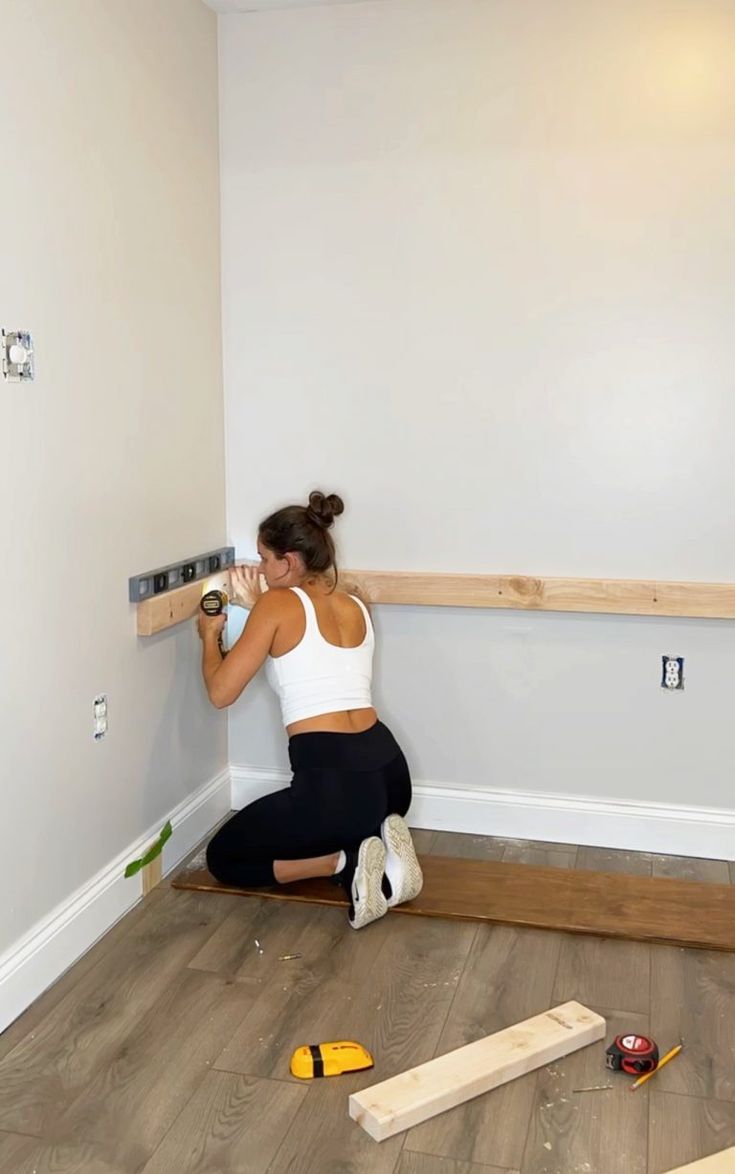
{"x": 614, "y": 860}
{"x": 693, "y": 996}
{"x": 50, "y": 1065}
{"x": 593, "y": 1132}
{"x": 412, "y": 1163}
{"x": 652, "y": 909}
{"x": 398, "y": 1014}
{"x": 423, "y": 839}
{"x": 603, "y": 972}
{"x": 468, "y": 847}
{"x": 231, "y": 1125}
{"x": 388, "y": 986}
{"x": 714, "y": 872}
{"x": 133, "y": 1097}
{"x": 249, "y": 945}
{"x": 732, "y": 872}
{"x": 46, "y": 1002}
{"x": 684, "y": 1129}
{"x": 540, "y": 857}
{"x": 509, "y": 977}
{"x": 28, "y": 1155}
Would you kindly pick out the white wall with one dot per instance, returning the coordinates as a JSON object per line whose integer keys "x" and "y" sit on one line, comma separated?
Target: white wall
{"x": 112, "y": 461}
{"x": 478, "y": 276}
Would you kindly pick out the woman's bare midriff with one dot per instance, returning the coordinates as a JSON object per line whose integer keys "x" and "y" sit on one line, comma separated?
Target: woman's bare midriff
{"x": 350, "y": 721}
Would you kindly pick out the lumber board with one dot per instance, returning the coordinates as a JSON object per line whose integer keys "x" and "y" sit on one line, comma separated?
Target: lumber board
{"x": 722, "y": 1163}
{"x": 620, "y": 596}
{"x": 663, "y": 910}
{"x": 406, "y": 1100}
{"x": 175, "y": 607}
{"x": 524, "y": 592}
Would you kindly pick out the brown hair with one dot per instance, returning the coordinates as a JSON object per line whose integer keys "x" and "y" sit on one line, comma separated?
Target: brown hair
{"x": 304, "y": 530}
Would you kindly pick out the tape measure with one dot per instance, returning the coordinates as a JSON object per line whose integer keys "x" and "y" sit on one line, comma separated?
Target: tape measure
{"x": 633, "y": 1054}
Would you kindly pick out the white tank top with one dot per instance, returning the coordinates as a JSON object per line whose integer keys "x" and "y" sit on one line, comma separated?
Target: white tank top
{"x": 317, "y": 677}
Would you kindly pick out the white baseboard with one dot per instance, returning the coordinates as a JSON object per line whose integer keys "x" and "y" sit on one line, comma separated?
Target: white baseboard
{"x": 55, "y": 943}
{"x": 637, "y": 826}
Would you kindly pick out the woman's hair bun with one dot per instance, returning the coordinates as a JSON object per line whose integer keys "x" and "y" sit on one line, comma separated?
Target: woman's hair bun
{"x": 324, "y": 508}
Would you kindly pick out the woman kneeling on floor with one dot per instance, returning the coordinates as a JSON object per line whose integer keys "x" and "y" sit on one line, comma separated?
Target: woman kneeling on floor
{"x": 343, "y": 813}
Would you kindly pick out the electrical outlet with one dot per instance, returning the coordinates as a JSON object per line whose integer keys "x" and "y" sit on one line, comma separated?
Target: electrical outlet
{"x": 672, "y": 675}
{"x": 17, "y": 356}
{"x": 100, "y": 716}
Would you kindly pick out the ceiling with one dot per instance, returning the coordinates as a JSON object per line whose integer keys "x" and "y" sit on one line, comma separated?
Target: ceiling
{"x": 225, "y": 6}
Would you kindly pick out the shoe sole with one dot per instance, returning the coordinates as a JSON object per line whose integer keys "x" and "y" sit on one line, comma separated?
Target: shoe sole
{"x": 368, "y": 899}
{"x": 401, "y": 862}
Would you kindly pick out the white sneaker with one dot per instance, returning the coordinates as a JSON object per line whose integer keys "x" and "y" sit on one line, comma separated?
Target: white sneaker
{"x": 402, "y": 868}
{"x": 368, "y": 900}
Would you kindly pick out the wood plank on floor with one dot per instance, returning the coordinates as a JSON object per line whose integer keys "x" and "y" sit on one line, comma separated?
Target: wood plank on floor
{"x": 652, "y": 909}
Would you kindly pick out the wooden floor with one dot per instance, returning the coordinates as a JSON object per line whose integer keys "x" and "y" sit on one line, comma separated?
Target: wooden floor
{"x": 165, "y": 1049}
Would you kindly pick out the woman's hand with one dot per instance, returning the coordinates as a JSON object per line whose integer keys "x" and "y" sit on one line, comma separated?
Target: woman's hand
{"x": 210, "y": 627}
{"x": 245, "y": 588}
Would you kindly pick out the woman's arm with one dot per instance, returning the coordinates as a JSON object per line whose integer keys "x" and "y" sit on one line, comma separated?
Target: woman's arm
{"x": 226, "y": 678}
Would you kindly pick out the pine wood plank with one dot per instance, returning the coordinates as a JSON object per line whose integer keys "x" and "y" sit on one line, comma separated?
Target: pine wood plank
{"x": 396, "y": 1104}
{"x": 648, "y": 909}
{"x": 509, "y": 976}
{"x": 723, "y": 1163}
{"x": 531, "y": 593}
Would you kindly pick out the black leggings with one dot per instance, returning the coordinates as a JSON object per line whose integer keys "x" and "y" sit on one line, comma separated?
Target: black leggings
{"x": 343, "y": 787}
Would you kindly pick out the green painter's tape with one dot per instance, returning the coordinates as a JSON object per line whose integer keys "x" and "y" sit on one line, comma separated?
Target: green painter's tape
{"x": 136, "y": 865}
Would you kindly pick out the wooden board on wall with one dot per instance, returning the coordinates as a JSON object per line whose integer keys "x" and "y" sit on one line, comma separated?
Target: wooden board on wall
{"x": 420, "y": 589}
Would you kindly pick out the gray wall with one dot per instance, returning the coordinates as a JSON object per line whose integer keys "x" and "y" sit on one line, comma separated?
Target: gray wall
{"x": 478, "y": 276}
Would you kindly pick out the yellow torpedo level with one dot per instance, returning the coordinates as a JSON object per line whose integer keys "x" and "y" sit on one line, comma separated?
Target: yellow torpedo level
{"x": 330, "y": 1059}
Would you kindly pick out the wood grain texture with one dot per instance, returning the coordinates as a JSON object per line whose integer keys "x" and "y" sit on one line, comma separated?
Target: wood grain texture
{"x": 391, "y": 992}
{"x": 30, "y": 1155}
{"x": 693, "y": 995}
{"x": 588, "y": 1133}
{"x": 614, "y": 860}
{"x": 411, "y": 1097}
{"x": 713, "y": 872}
{"x": 649, "y": 909}
{"x": 56, "y": 1061}
{"x": 509, "y": 976}
{"x": 687, "y": 1129}
{"x": 602, "y": 972}
{"x": 232, "y": 1125}
{"x": 620, "y": 596}
{"x": 425, "y": 588}
{"x": 428, "y": 1164}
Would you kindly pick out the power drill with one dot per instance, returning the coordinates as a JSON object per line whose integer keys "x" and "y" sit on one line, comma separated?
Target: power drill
{"x": 213, "y": 604}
